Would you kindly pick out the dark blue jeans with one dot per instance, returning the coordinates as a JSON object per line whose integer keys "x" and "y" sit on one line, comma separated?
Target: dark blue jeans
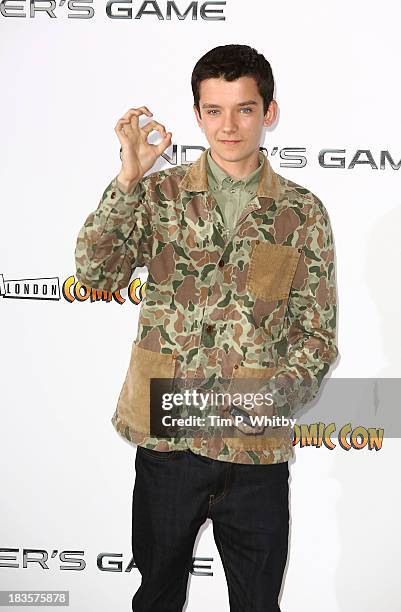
{"x": 174, "y": 493}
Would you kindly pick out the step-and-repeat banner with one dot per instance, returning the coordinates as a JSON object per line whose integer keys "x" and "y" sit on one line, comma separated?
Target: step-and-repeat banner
{"x": 70, "y": 70}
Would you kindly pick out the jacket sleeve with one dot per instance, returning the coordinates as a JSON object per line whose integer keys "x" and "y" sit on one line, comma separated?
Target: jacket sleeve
{"x": 115, "y": 238}
{"x": 311, "y": 310}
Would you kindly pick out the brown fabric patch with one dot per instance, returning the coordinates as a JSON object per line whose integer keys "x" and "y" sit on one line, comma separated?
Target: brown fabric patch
{"x": 271, "y": 270}
{"x": 262, "y": 308}
{"x": 301, "y": 273}
{"x": 322, "y": 293}
{"x": 284, "y": 224}
{"x": 169, "y": 187}
{"x": 163, "y": 264}
{"x": 187, "y": 292}
{"x": 196, "y": 209}
{"x": 133, "y": 404}
{"x": 152, "y": 340}
{"x": 248, "y": 441}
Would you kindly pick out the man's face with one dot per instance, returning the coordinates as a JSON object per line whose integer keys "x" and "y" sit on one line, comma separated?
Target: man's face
{"x": 232, "y": 128}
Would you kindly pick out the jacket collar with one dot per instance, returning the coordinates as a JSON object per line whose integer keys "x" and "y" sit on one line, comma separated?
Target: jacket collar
{"x": 195, "y": 178}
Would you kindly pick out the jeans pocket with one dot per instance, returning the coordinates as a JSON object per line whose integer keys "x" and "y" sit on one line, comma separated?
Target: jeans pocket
{"x": 159, "y": 455}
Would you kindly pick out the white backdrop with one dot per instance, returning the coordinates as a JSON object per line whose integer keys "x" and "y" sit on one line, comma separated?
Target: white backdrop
{"x": 66, "y": 475}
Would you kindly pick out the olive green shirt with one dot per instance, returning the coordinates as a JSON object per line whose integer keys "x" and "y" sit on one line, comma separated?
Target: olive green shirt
{"x": 232, "y": 195}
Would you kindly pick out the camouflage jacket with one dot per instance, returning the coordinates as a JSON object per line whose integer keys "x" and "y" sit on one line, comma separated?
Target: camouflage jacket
{"x": 256, "y": 302}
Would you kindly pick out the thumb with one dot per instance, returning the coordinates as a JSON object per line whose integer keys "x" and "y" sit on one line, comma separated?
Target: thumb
{"x": 163, "y": 144}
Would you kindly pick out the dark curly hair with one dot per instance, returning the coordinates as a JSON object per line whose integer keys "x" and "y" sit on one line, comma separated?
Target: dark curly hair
{"x": 232, "y": 62}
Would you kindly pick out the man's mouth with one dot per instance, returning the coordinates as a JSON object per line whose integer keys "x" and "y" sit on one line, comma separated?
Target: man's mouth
{"x": 230, "y": 141}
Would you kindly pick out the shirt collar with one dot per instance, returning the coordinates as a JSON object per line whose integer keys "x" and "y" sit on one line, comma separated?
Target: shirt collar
{"x": 219, "y": 179}
{"x": 195, "y": 178}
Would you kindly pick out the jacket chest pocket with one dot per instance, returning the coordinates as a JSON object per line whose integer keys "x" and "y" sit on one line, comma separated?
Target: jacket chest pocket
{"x": 271, "y": 271}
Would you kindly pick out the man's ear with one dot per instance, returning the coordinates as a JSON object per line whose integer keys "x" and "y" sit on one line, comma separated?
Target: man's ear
{"x": 198, "y": 118}
{"x": 271, "y": 113}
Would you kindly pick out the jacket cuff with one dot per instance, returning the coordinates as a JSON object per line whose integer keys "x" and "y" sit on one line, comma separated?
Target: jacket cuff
{"x": 120, "y": 189}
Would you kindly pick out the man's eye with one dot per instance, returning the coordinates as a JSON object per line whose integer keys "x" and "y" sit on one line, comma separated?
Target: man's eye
{"x": 213, "y": 110}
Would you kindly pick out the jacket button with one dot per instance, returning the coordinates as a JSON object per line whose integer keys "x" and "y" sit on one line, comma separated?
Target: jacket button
{"x": 174, "y": 356}
{"x": 209, "y": 329}
{"x": 221, "y": 263}
{"x": 256, "y": 241}
{"x": 236, "y": 366}
{"x": 113, "y": 195}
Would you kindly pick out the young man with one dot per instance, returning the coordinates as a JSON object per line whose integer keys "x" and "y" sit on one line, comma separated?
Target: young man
{"x": 241, "y": 286}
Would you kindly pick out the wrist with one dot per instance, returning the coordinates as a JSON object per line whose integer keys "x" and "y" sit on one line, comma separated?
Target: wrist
{"x": 126, "y": 184}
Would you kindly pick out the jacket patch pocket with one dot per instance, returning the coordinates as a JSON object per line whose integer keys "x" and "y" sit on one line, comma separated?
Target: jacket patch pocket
{"x": 133, "y": 405}
{"x": 247, "y": 379}
{"x": 252, "y": 380}
{"x": 271, "y": 270}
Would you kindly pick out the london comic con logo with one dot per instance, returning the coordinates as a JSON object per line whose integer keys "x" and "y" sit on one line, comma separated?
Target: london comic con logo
{"x": 71, "y": 290}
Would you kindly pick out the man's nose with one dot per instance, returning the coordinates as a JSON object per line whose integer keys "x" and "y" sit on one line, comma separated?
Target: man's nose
{"x": 229, "y": 123}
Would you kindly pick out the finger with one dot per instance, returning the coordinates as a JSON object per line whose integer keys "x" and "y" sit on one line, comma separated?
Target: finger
{"x": 123, "y": 128}
{"x": 141, "y": 110}
{"x": 249, "y": 429}
{"x": 127, "y": 127}
{"x": 136, "y": 113}
{"x": 132, "y": 116}
{"x": 244, "y": 427}
{"x": 154, "y": 125}
{"x": 122, "y": 122}
{"x": 162, "y": 146}
{"x": 119, "y": 130}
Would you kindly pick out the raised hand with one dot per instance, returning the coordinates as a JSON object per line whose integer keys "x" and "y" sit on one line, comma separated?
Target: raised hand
{"x": 137, "y": 154}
